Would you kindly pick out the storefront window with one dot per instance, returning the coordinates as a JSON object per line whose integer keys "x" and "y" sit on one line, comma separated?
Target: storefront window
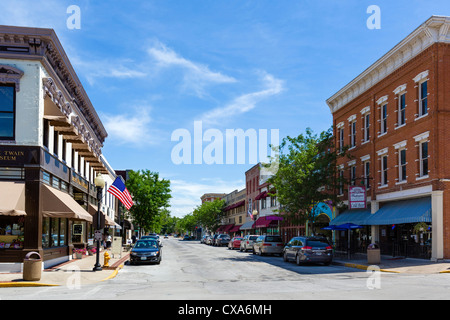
{"x": 11, "y": 232}
{"x": 54, "y": 232}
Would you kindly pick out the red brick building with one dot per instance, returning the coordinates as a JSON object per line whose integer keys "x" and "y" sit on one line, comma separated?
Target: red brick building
{"x": 395, "y": 118}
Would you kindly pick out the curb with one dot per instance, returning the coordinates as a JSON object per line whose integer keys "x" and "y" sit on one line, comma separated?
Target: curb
{"x": 116, "y": 267}
{"x": 362, "y": 267}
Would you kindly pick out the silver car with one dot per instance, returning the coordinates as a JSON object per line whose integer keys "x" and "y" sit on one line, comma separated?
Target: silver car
{"x": 247, "y": 242}
{"x": 268, "y": 244}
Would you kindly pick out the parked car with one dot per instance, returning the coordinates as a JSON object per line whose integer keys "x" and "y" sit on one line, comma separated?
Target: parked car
{"x": 235, "y": 243}
{"x": 308, "y": 249}
{"x": 212, "y": 240}
{"x": 152, "y": 237}
{"x": 268, "y": 244}
{"x": 222, "y": 240}
{"x": 146, "y": 251}
{"x": 186, "y": 237}
{"x": 247, "y": 242}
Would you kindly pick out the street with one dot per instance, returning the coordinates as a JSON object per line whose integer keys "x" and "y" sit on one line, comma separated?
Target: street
{"x": 193, "y": 271}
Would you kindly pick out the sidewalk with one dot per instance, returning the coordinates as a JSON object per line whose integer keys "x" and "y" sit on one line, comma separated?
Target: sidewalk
{"x": 73, "y": 272}
{"x": 395, "y": 265}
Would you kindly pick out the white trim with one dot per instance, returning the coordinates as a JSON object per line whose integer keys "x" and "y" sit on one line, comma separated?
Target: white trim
{"x": 422, "y": 136}
{"x": 365, "y": 158}
{"x": 382, "y": 100}
{"x": 400, "y": 89}
{"x": 408, "y": 193}
{"x": 421, "y": 76}
{"x": 382, "y": 151}
{"x": 365, "y": 110}
{"x": 401, "y": 144}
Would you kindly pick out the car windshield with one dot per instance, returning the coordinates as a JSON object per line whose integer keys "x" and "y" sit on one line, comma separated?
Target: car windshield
{"x": 146, "y": 244}
{"x": 273, "y": 239}
{"x": 253, "y": 238}
{"x": 318, "y": 243}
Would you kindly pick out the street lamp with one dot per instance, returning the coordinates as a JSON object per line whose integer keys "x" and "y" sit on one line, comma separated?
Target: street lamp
{"x": 100, "y": 184}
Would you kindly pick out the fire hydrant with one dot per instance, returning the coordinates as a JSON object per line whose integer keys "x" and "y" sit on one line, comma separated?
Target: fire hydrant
{"x": 106, "y": 259}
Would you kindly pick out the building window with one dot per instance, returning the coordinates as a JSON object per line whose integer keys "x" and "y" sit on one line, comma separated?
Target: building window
{"x": 401, "y": 110}
{"x": 353, "y": 134}
{"x": 384, "y": 171}
{"x": 383, "y": 118}
{"x": 352, "y": 175}
{"x": 54, "y": 231}
{"x": 341, "y": 182}
{"x": 423, "y": 98}
{"x": 402, "y": 165}
{"x": 341, "y": 139}
{"x": 367, "y": 174}
{"x": 366, "y": 127}
{"x": 45, "y": 137}
{"x": 7, "y": 112}
{"x": 424, "y": 159}
{"x": 56, "y": 143}
{"x": 273, "y": 201}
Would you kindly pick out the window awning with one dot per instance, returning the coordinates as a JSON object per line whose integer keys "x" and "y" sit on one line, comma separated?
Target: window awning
{"x": 264, "y": 222}
{"x": 357, "y": 216}
{"x": 12, "y": 199}
{"x": 58, "y": 204}
{"x": 247, "y": 226}
{"x": 396, "y": 212}
{"x": 405, "y": 211}
{"x": 235, "y": 228}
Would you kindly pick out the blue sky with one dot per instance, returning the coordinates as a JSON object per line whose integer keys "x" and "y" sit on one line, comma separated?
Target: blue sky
{"x": 152, "y": 67}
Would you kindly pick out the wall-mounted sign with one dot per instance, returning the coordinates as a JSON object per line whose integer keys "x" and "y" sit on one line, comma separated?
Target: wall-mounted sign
{"x": 357, "y": 197}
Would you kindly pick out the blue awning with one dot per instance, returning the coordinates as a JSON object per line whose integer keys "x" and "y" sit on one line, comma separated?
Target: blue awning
{"x": 405, "y": 211}
{"x": 356, "y": 216}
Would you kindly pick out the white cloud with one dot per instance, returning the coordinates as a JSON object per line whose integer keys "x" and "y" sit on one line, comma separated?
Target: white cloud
{"x": 134, "y": 130}
{"x": 196, "y": 75}
{"x": 186, "y": 194}
{"x": 118, "y": 69}
{"x": 245, "y": 102}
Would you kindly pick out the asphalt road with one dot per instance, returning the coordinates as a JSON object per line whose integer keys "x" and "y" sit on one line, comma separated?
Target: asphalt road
{"x": 193, "y": 271}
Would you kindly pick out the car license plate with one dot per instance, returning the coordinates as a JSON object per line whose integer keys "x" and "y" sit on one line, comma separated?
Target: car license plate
{"x": 318, "y": 253}
{"x": 143, "y": 258}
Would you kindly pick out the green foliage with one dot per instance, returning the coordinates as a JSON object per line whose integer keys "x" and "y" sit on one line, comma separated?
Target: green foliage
{"x": 208, "y": 216}
{"x": 151, "y": 197}
{"x": 307, "y": 174}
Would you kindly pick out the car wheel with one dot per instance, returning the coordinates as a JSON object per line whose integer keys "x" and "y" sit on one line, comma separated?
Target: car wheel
{"x": 285, "y": 258}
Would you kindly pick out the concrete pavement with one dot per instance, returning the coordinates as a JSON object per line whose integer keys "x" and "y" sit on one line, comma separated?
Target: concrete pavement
{"x": 70, "y": 273}
{"x": 79, "y": 271}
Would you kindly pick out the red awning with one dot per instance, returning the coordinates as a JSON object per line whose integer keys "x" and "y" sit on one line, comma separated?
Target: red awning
{"x": 235, "y": 229}
{"x": 264, "y": 222}
{"x": 228, "y": 227}
{"x": 261, "y": 195}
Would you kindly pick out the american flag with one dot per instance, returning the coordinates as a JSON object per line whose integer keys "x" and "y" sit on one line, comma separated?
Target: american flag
{"x": 119, "y": 190}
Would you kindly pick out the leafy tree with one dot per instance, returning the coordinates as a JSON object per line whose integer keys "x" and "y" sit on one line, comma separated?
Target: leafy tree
{"x": 151, "y": 198}
{"x": 209, "y": 214}
{"x": 307, "y": 174}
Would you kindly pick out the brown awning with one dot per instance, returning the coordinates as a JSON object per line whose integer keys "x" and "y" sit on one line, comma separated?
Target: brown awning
{"x": 58, "y": 204}
{"x": 12, "y": 199}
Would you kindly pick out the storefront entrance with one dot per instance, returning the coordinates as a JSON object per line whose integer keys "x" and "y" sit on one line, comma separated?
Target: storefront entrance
{"x": 412, "y": 240}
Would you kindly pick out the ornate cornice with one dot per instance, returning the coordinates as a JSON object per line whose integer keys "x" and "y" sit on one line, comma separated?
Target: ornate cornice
{"x": 43, "y": 44}
{"x": 436, "y": 29}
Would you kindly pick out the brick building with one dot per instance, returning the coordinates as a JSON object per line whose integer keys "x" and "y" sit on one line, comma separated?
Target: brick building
{"x": 394, "y": 117}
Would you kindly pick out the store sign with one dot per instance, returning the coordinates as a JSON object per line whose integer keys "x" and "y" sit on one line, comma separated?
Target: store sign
{"x": 357, "y": 197}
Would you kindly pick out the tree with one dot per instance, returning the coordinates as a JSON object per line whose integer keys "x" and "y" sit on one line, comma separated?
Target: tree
{"x": 307, "y": 175}
{"x": 209, "y": 214}
{"x": 151, "y": 198}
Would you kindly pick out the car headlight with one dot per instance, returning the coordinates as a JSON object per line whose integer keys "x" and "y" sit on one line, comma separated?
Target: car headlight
{"x": 133, "y": 253}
